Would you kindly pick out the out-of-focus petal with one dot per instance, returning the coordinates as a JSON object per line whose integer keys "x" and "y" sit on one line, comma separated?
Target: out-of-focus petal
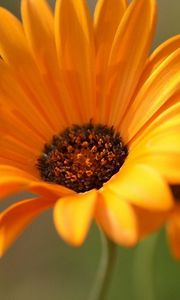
{"x": 141, "y": 185}
{"x": 173, "y": 231}
{"x": 16, "y": 218}
{"x": 73, "y": 216}
{"x": 149, "y": 221}
{"x": 117, "y": 218}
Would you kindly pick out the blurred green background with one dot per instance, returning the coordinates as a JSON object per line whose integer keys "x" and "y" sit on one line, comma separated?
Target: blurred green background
{"x": 40, "y": 266}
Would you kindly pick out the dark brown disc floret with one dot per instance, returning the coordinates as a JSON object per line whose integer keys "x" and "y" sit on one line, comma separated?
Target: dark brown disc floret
{"x": 82, "y": 157}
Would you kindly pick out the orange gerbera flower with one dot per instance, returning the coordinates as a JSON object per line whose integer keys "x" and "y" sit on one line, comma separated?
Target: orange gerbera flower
{"x": 115, "y": 164}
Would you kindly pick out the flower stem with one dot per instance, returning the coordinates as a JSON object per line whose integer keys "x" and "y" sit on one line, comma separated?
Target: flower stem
{"x": 143, "y": 269}
{"x": 105, "y": 271}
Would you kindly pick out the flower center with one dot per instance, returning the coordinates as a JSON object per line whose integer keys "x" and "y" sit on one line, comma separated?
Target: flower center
{"x": 82, "y": 157}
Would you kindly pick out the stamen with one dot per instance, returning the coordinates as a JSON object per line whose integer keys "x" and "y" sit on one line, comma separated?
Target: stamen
{"x": 82, "y": 157}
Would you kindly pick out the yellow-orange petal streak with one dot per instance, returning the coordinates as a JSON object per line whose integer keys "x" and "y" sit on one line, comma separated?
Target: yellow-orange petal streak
{"x": 39, "y": 29}
{"x": 164, "y": 138}
{"x": 168, "y": 165}
{"x": 167, "y": 115}
{"x": 15, "y": 51}
{"x": 75, "y": 46}
{"x": 73, "y": 216}
{"x": 141, "y": 185}
{"x": 157, "y": 90}
{"x": 129, "y": 53}
{"x": 38, "y": 24}
{"x": 163, "y": 141}
{"x": 173, "y": 231}
{"x": 107, "y": 17}
{"x": 12, "y": 38}
{"x": 157, "y": 57}
{"x": 158, "y": 145}
{"x": 16, "y": 218}
{"x": 15, "y": 99}
{"x": 117, "y": 218}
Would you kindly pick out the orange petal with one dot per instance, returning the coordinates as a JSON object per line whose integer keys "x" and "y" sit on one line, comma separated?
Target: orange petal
{"x": 173, "y": 231}
{"x": 141, "y": 185}
{"x": 15, "y": 153}
{"x": 16, "y": 218}
{"x": 38, "y": 24}
{"x": 73, "y": 216}
{"x": 39, "y": 29}
{"x": 15, "y": 51}
{"x": 75, "y": 46}
{"x": 12, "y": 38}
{"x": 149, "y": 221}
{"x": 12, "y": 180}
{"x": 160, "y": 54}
{"x": 107, "y": 17}
{"x": 167, "y": 116}
{"x": 49, "y": 190}
{"x": 117, "y": 218}
{"x": 150, "y": 97}
{"x": 17, "y": 108}
{"x": 128, "y": 55}
{"x": 14, "y": 125}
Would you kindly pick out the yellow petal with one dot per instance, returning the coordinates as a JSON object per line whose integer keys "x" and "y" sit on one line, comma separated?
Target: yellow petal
{"x": 167, "y": 164}
{"x": 159, "y": 144}
{"x": 75, "y": 46}
{"x": 162, "y": 141}
{"x": 73, "y": 216}
{"x": 141, "y": 185}
{"x": 16, "y": 218}
{"x": 117, "y": 218}
{"x": 128, "y": 55}
{"x": 157, "y": 90}
{"x": 173, "y": 231}
{"x": 107, "y": 17}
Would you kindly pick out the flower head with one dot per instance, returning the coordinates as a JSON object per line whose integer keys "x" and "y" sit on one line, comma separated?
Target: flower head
{"x": 89, "y": 122}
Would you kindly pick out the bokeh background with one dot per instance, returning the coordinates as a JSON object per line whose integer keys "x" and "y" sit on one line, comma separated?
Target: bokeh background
{"x": 40, "y": 266}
